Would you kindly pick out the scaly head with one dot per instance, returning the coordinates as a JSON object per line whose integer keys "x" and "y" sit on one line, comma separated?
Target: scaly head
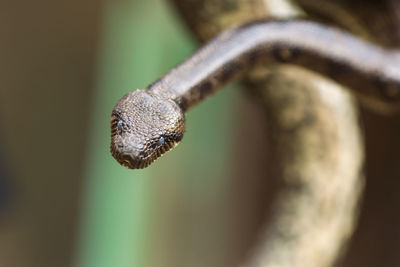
{"x": 144, "y": 127}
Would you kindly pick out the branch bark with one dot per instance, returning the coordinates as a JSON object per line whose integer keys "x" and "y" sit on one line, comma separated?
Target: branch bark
{"x": 318, "y": 141}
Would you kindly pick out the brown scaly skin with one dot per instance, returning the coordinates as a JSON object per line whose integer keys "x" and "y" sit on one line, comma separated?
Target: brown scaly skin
{"x": 376, "y": 20}
{"x": 146, "y": 124}
{"x": 143, "y": 127}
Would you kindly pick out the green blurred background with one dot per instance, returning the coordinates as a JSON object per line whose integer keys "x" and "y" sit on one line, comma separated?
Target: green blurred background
{"x": 126, "y": 211}
{"x": 64, "y": 201}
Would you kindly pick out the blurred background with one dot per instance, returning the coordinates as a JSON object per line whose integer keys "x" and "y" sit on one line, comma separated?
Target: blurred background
{"x": 64, "y": 201}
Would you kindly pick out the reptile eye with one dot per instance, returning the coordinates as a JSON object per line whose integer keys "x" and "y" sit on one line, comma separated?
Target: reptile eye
{"x": 119, "y": 125}
{"x": 160, "y": 141}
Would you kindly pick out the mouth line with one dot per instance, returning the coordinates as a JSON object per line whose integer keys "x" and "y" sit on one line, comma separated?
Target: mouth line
{"x": 132, "y": 162}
